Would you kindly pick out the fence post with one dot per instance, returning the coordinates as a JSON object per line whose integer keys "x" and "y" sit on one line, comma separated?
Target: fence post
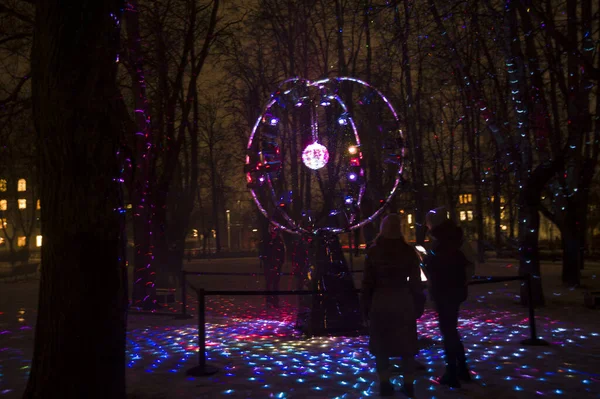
{"x": 202, "y": 369}
{"x": 183, "y": 314}
{"x": 533, "y": 340}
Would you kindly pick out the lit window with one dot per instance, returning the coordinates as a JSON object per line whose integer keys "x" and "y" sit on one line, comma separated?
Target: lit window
{"x": 21, "y": 241}
{"x": 3, "y": 222}
{"x": 465, "y": 198}
{"x": 22, "y": 185}
{"x": 38, "y": 241}
{"x": 502, "y": 199}
{"x": 22, "y": 203}
{"x": 37, "y": 205}
{"x": 469, "y": 215}
{"x": 463, "y": 215}
{"x": 1, "y": 240}
{"x": 503, "y": 227}
{"x": 3, "y": 205}
{"x": 409, "y": 218}
{"x": 2, "y": 185}
{"x": 194, "y": 233}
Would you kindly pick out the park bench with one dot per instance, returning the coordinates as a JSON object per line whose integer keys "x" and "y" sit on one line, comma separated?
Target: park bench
{"x": 19, "y": 271}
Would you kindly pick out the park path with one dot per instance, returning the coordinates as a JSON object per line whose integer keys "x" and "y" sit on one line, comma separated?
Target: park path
{"x": 260, "y": 356}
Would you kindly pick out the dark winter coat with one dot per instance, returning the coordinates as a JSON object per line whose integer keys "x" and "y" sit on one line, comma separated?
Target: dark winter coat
{"x": 446, "y": 264}
{"x": 391, "y": 276}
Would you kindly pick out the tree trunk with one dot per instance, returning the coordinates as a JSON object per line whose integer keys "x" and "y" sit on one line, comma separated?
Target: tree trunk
{"x": 161, "y": 249}
{"x": 496, "y": 205}
{"x": 82, "y": 300}
{"x": 215, "y": 205}
{"x": 529, "y": 225}
{"x": 415, "y": 139}
{"x": 529, "y": 259}
{"x": 141, "y": 190}
{"x": 571, "y": 274}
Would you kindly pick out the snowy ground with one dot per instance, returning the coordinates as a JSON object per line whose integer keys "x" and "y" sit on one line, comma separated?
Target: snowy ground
{"x": 260, "y": 355}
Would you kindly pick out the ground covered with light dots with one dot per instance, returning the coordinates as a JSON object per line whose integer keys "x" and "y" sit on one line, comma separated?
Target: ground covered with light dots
{"x": 260, "y": 355}
{"x": 262, "y": 358}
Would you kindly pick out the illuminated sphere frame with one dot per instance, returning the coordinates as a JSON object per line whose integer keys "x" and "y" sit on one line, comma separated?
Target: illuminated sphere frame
{"x": 260, "y": 174}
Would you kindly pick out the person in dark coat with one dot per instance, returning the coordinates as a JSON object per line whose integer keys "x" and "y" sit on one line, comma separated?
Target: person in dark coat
{"x": 446, "y": 271}
{"x": 272, "y": 256}
{"x": 391, "y": 277}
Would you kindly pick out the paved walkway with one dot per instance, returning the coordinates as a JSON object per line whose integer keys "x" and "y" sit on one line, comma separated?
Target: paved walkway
{"x": 260, "y": 356}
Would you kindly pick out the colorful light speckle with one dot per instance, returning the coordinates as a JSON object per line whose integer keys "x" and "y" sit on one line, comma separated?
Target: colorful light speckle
{"x": 260, "y": 355}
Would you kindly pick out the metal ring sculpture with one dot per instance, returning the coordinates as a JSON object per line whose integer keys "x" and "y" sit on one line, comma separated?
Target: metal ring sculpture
{"x": 346, "y": 139}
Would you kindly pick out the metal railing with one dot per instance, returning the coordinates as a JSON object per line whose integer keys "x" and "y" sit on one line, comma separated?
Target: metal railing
{"x": 183, "y": 314}
{"x": 202, "y": 369}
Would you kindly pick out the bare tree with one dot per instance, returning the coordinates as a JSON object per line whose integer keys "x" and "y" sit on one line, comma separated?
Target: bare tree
{"x": 178, "y": 38}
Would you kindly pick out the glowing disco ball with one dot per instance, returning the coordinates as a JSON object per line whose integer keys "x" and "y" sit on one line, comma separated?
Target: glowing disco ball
{"x": 308, "y": 125}
{"x": 315, "y": 156}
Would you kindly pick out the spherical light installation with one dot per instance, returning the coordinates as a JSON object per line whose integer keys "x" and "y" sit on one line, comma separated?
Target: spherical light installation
{"x": 308, "y": 125}
{"x": 315, "y": 156}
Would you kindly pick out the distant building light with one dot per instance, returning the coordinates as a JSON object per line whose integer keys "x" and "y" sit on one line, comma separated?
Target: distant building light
{"x": 38, "y": 241}
{"x": 21, "y": 241}
{"x": 22, "y": 185}
{"x": 465, "y": 198}
{"x": 22, "y": 203}
{"x": 254, "y": 230}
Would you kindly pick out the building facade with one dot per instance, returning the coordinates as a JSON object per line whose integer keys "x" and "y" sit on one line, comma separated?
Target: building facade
{"x": 19, "y": 216}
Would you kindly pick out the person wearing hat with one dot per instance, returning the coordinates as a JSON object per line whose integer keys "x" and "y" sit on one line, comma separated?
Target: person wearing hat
{"x": 446, "y": 267}
{"x": 391, "y": 277}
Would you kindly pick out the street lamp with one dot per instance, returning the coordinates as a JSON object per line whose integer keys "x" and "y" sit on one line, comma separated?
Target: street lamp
{"x": 228, "y": 212}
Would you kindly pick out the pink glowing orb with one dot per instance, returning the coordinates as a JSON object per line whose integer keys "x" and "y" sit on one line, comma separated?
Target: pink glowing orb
{"x": 315, "y": 156}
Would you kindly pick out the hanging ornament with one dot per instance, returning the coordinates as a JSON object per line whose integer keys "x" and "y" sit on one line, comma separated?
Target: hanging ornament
{"x": 315, "y": 156}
